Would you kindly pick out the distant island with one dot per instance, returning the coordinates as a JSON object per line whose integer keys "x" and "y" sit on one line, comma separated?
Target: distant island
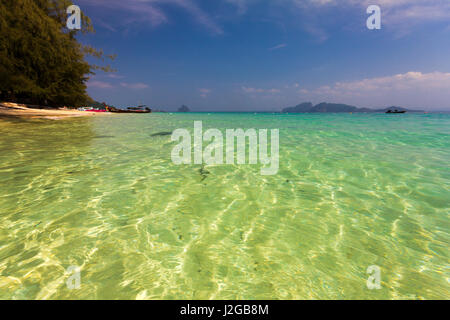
{"x": 324, "y": 107}
{"x": 184, "y": 108}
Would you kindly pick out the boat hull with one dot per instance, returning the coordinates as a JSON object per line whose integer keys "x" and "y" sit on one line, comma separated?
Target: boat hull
{"x": 131, "y": 111}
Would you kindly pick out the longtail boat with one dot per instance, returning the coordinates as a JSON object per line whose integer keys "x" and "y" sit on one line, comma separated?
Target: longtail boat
{"x": 139, "y": 109}
{"x": 395, "y": 111}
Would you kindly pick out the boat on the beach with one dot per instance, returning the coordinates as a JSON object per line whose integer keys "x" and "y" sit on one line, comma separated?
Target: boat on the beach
{"x": 95, "y": 110}
{"x": 92, "y": 109}
{"x": 138, "y": 109}
{"x": 395, "y": 111}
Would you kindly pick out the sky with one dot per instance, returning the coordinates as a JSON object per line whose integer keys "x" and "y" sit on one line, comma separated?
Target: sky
{"x": 265, "y": 55}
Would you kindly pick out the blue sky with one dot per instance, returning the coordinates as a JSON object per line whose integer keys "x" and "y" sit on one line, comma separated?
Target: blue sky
{"x": 244, "y": 55}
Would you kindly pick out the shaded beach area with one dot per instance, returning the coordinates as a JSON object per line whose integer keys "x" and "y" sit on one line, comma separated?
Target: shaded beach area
{"x": 9, "y": 109}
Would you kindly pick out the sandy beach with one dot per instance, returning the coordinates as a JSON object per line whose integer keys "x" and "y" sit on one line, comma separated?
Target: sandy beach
{"x": 9, "y": 109}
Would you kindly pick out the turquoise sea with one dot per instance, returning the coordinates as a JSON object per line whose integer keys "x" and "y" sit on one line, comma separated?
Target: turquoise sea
{"x": 102, "y": 194}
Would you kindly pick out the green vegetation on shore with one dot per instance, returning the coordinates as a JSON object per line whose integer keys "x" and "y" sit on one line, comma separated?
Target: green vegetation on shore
{"x": 41, "y": 61}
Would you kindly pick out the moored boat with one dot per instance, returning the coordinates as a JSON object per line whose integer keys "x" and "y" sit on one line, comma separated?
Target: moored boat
{"x": 95, "y": 110}
{"x": 139, "y": 109}
{"x": 395, "y": 111}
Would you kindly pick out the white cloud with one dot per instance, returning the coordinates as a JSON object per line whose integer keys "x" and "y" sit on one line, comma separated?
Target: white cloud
{"x": 150, "y": 11}
{"x": 394, "y": 11}
{"x": 199, "y": 15}
{"x": 282, "y": 45}
{"x": 418, "y": 89}
{"x": 240, "y": 4}
{"x": 259, "y": 90}
{"x": 139, "y": 10}
{"x": 404, "y": 14}
{"x": 406, "y": 81}
{"x": 115, "y": 76}
{"x": 99, "y": 84}
{"x": 204, "y": 92}
{"x": 400, "y": 16}
{"x": 135, "y": 86}
{"x": 252, "y": 90}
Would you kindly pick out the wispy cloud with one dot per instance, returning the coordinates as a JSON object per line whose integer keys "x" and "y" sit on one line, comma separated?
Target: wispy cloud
{"x": 107, "y": 85}
{"x": 204, "y": 92}
{"x": 151, "y": 12}
{"x": 426, "y": 91}
{"x": 280, "y": 46}
{"x": 313, "y": 15}
{"x": 259, "y": 90}
{"x": 99, "y": 84}
{"x": 411, "y": 88}
{"x": 318, "y": 17}
{"x": 199, "y": 15}
{"x": 135, "y": 86}
{"x": 394, "y": 11}
{"x": 406, "y": 81}
{"x": 241, "y": 5}
{"x": 115, "y": 76}
{"x": 138, "y": 11}
{"x": 252, "y": 90}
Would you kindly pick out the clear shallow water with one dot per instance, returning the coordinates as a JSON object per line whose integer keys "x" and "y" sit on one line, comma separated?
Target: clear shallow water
{"x": 352, "y": 191}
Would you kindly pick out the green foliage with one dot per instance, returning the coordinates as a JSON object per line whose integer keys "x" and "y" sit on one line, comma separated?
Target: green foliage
{"x": 41, "y": 61}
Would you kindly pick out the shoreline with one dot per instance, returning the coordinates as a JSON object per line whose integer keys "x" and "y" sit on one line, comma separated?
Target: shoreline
{"x": 10, "y": 109}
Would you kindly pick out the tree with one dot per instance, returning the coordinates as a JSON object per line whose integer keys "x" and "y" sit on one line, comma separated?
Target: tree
{"x": 41, "y": 61}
